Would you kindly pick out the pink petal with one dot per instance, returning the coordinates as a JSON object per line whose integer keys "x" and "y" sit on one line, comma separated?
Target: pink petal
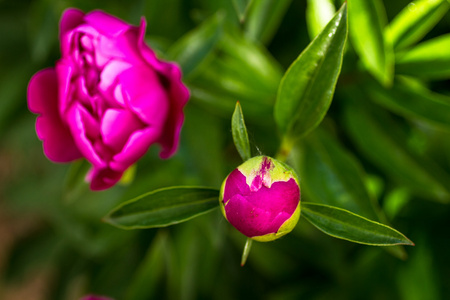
{"x": 58, "y": 143}
{"x": 122, "y": 47}
{"x": 256, "y": 212}
{"x": 107, "y": 24}
{"x": 145, "y": 96}
{"x": 80, "y": 122}
{"x": 71, "y": 18}
{"x": 110, "y": 74}
{"x": 117, "y": 126}
{"x": 179, "y": 96}
{"x": 135, "y": 148}
{"x": 64, "y": 70}
{"x": 102, "y": 178}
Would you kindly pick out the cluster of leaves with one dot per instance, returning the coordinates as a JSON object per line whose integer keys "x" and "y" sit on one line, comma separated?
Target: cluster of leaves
{"x": 381, "y": 153}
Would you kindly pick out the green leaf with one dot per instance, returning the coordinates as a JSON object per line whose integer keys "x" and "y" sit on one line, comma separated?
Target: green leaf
{"x": 241, "y": 7}
{"x": 367, "y": 20}
{"x": 334, "y": 176}
{"x": 240, "y": 70}
{"x": 318, "y": 14}
{"x": 164, "y": 207}
{"x": 239, "y": 131}
{"x": 382, "y": 142}
{"x": 415, "y": 21}
{"x": 346, "y": 225}
{"x": 151, "y": 270}
{"x": 306, "y": 90}
{"x": 430, "y": 59}
{"x": 263, "y": 19}
{"x": 412, "y": 102}
{"x": 192, "y": 49}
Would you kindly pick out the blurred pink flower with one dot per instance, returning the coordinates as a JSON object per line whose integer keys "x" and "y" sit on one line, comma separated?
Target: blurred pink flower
{"x": 108, "y": 99}
{"x": 94, "y": 297}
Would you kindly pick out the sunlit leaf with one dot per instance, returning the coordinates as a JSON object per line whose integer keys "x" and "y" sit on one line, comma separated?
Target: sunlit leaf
{"x": 346, "y": 225}
{"x": 318, "y": 14}
{"x": 430, "y": 59}
{"x": 367, "y": 20}
{"x": 239, "y": 131}
{"x": 414, "y": 21}
{"x": 196, "y": 45}
{"x": 163, "y": 207}
{"x": 307, "y": 87}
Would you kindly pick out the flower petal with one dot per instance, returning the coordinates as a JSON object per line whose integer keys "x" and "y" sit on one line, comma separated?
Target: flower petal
{"x": 170, "y": 73}
{"x": 58, "y": 143}
{"x": 106, "y": 23}
{"x": 102, "y": 178}
{"x": 79, "y": 119}
{"x": 117, "y": 126}
{"x": 179, "y": 96}
{"x": 109, "y": 75}
{"x": 70, "y": 19}
{"x": 145, "y": 96}
{"x": 64, "y": 71}
{"x": 235, "y": 184}
{"x": 135, "y": 148}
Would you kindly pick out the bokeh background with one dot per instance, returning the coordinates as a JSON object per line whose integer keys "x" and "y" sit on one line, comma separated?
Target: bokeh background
{"x": 53, "y": 244}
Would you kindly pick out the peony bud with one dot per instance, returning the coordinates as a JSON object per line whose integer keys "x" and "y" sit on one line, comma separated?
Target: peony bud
{"x": 261, "y": 199}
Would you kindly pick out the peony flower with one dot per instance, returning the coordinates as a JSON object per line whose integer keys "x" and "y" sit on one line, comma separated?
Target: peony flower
{"x": 94, "y": 297}
{"x": 261, "y": 198}
{"x": 108, "y": 99}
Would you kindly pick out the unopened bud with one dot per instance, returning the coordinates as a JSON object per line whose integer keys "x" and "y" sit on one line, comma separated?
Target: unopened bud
{"x": 261, "y": 199}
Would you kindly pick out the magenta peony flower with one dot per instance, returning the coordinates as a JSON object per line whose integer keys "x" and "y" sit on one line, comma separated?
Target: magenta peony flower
{"x": 261, "y": 199}
{"x": 108, "y": 99}
{"x": 94, "y": 297}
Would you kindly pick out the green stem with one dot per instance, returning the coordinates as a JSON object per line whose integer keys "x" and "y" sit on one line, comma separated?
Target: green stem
{"x": 285, "y": 149}
{"x": 247, "y": 247}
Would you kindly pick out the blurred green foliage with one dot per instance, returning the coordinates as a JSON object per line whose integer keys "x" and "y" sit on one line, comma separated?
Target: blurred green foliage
{"x": 385, "y": 140}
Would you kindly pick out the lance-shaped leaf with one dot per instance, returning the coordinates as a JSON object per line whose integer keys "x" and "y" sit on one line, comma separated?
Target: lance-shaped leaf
{"x": 164, "y": 207}
{"x": 415, "y": 21}
{"x": 318, "y": 14}
{"x": 239, "y": 132}
{"x": 191, "y": 50}
{"x": 307, "y": 87}
{"x": 367, "y": 20}
{"x": 412, "y": 102}
{"x": 346, "y": 225}
{"x": 382, "y": 142}
{"x": 430, "y": 59}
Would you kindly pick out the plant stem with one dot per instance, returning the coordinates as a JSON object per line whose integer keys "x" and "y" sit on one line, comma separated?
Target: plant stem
{"x": 247, "y": 247}
{"x": 285, "y": 149}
